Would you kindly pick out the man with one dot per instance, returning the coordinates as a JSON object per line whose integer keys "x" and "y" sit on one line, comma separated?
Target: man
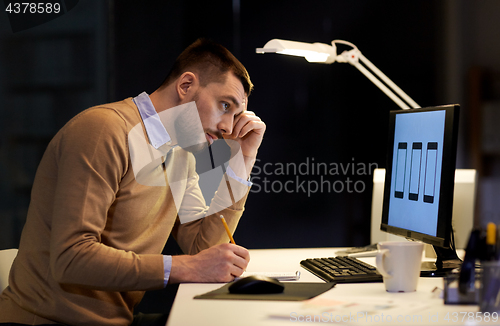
{"x": 116, "y": 181}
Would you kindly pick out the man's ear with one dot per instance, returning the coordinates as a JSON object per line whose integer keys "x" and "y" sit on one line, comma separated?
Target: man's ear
{"x": 186, "y": 84}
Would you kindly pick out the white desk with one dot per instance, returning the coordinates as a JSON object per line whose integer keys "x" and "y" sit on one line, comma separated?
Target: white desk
{"x": 189, "y": 312}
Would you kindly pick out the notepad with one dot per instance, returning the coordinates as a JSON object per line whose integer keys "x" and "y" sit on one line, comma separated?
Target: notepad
{"x": 280, "y": 276}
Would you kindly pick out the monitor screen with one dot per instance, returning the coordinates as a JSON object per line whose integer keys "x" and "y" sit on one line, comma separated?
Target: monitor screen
{"x": 418, "y": 194}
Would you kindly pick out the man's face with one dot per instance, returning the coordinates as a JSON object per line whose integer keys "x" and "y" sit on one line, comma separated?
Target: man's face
{"x": 218, "y": 104}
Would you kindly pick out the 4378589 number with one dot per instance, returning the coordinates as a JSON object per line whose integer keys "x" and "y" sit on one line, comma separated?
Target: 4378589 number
{"x": 33, "y": 8}
{"x": 473, "y": 317}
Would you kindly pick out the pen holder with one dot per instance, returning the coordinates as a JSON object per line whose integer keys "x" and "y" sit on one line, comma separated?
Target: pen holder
{"x": 489, "y": 299}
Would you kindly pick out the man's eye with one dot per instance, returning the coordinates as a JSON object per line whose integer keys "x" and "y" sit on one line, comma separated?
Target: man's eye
{"x": 225, "y": 106}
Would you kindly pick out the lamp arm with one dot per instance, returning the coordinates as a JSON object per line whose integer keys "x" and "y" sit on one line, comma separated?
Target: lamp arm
{"x": 389, "y": 82}
{"x": 381, "y": 85}
{"x": 354, "y": 56}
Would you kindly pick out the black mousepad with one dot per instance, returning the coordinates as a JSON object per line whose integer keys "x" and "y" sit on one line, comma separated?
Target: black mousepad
{"x": 294, "y": 291}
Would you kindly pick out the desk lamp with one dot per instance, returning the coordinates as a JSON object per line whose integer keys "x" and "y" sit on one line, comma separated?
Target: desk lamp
{"x": 324, "y": 53}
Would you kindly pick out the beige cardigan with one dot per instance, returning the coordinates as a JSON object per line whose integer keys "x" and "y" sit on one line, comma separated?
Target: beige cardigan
{"x": 93, "y": 236}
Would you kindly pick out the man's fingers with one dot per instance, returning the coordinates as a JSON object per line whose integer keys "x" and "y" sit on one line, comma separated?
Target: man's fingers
{"x": 245, "y": 124}
{"x": 237, "y": 271}
{"x": 241, "y": 252}
{"x": 239, "y": 259}
{"x": 239, "y": 266}
{"x": 240, "y": 121}
{"x": 256, "y": 126}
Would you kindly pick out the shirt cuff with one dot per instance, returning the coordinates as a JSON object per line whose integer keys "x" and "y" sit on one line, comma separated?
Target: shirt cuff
{"x": 167, "y": 267}
{"x": 233, "y": 175}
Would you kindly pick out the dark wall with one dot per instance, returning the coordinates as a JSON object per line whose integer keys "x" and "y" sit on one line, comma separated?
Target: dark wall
{"x": 329, "y": 114}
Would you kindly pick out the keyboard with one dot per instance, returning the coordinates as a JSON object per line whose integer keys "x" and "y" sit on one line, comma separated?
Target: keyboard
{"x": 342, "y": 270}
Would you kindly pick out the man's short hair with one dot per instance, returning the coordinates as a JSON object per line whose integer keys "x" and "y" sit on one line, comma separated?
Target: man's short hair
{"x": 210, "y": 61}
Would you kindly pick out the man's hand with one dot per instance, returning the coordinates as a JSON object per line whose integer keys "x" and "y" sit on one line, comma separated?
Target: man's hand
{"x": 221, "y": 263}
{"x": 248, "y": 132}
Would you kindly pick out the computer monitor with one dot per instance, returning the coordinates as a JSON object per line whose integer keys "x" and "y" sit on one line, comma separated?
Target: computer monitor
{"x": 419, "y": 184}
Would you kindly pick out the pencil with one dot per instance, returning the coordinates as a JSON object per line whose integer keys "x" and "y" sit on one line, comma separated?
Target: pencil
{"x": 491, "y": 241}
{"x": 227, "y": 229}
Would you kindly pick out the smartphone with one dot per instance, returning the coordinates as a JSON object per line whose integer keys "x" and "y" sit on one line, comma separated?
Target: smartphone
{"x": 416, "y": 164}
{"x": 400, "y": 170}
{"x": 430, "y": 172}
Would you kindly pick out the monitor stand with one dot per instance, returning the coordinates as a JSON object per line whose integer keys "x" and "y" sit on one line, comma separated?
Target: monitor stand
{"x": 447, "y": 260}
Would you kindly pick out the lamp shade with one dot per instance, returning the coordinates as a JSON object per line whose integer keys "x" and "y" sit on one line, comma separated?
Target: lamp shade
{"x": 312, "y": 52}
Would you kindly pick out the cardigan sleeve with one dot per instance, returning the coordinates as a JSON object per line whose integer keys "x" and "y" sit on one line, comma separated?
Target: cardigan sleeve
{"x": 204, "y": 227}
{"x": 92, "y": 157}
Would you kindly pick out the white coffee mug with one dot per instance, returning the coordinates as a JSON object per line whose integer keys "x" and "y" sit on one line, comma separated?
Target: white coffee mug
{"x": 399, "y": 263}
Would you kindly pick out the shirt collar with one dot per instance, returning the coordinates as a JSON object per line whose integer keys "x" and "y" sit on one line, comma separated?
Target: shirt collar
{"x": 157, "y": 134}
